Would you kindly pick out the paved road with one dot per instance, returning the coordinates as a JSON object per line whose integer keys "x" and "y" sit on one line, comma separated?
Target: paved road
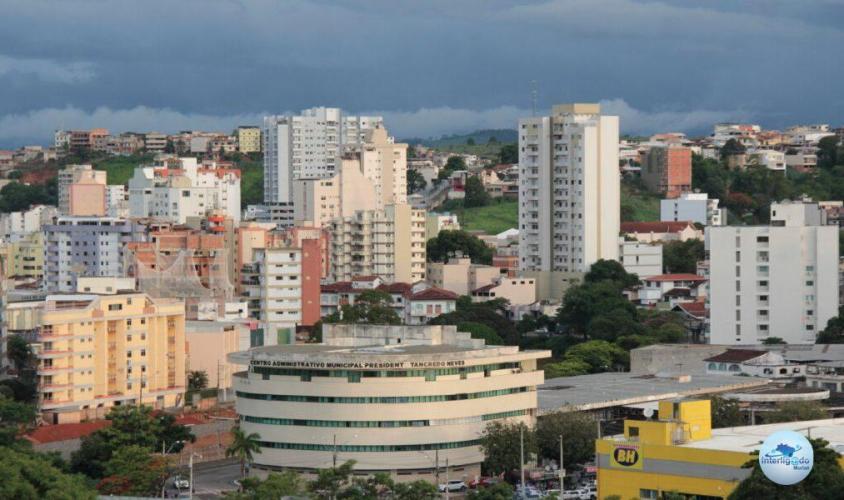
{"x": 211, "y": 479}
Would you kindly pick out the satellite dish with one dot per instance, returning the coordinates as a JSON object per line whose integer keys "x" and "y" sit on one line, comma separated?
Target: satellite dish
{"x": 649, "y": 412}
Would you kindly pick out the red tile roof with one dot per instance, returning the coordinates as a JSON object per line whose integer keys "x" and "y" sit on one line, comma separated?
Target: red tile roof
{"x": 695, "y": 309}
{"x": 736, "y": 355}
{"x": 338, "y": 287}
{"x": 655, "y": 227}
{"x": 434, "y": 293}
{"x": 402, "y": 288}
{"x": 675, "y": 277}
{"x": 64, "y": 432}
{"x": 371, "y": 277}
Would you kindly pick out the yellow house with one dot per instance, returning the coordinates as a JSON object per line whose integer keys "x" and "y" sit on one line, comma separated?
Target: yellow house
{"x": 682, "y": 453}
{"x": 96, "y": 351}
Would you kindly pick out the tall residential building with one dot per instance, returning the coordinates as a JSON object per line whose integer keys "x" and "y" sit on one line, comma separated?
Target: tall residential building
{"x": 97, "y": 351}
{"x": 249, "y": 139}
{"x": 307, "y": 146}
{"x": 773, "y": 281}
{"x": 24, "y": 257}
{"x": 272, "y": 284}
{"x": 16, "y": 225}
{"x": 318, "y": 201}
{"x": 85, "y": 246}
{"x": 180, "y": 188}
{"x": 388, "y": 243}
{"x": 695, "y": 207}
{"x": 668, "y": 170}
{"x": 77, "y": 174}
{"x": 569, "y": 189}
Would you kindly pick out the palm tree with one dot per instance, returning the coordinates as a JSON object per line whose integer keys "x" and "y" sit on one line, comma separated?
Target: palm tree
{"x": 242, "y": 447}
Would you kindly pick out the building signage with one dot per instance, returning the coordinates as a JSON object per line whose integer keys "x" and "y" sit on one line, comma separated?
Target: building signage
{"x": 786, "y": 457}
{"x": 359, "y": 365}
{"x": 626, "y": 456}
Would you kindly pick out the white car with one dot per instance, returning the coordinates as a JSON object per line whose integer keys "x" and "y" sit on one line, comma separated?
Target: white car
{"x": 581, "y": 494}
{"x": 453, "y": 485}
{"x": 181, "y": 483}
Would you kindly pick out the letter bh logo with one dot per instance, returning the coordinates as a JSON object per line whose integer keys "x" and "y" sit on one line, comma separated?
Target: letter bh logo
{"x": 627, "y": 456}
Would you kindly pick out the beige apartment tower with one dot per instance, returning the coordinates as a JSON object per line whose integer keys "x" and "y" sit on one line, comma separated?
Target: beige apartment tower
{"x": 569, "y": 189}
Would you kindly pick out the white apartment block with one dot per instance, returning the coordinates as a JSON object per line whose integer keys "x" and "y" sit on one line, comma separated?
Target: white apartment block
{"x": 768, "y": 158}
{"x": 188, "y": 190}
{"x": 85, "y": 246}
{"x": 117, "y": 201}
{"x": 388, "y": 243}
{"x": 307, "y": 146}
{"x": 773, "y": 281}
{"x": 15, "y": 225}
{"x": 568, "y": 189}
{"x": 642, "y": 259}
{"x": 695, "y": 207}
{"x": 272, "y": 284}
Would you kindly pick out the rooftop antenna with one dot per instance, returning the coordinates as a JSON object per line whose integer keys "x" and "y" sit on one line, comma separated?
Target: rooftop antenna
{"x": 533, "y": 95}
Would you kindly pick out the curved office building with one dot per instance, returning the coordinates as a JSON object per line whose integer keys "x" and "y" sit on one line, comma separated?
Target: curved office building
{"x": 399, "y": 399}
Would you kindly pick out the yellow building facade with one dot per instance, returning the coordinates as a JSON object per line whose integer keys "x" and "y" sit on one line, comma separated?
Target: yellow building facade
{"x": 681, "y": 453}
{"x": 24, "y": 258}
{"x": 249, "y": 139}
{"x": 96, "y": 351}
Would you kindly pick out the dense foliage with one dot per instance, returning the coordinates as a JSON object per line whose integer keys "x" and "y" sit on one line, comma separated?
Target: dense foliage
{"x": 373, "y": 307}
{"x": 449, "y": 243}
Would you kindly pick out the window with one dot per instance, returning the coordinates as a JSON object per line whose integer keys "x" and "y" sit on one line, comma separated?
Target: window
{"x": 115, "y": 307}
{"x": 634, "y": 432}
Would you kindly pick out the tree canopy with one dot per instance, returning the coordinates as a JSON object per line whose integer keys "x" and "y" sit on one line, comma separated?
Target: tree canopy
{"x": 500, "y": 443}
{"x": 415, "y": 182}
{"x": 476, "y": 195}
{"x": 489, "y": 313}
{"x": 833, "y": 333}
{"x": 509, "y": 153}
{"x": 451, "y": 242}
{"x": 682, "y": 256}
{"x": 578, "y": 430}
{"x": 29, "y": 476}
{"x": 374, "y": 307}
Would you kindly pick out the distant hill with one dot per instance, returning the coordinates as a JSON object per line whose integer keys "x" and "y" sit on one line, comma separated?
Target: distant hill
{"x": 479, "y": 136}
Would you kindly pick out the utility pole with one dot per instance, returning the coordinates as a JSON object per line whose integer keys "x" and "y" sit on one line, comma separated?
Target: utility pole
{"x": 522, "y": 456}
{"x": 334, "y": 454}
{"x": 447, "y": 491}
{"x": 437, "y": 467}
{"x": 562, "y": 466}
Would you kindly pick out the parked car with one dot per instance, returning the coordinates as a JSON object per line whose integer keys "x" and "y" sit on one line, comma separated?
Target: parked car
{"x": 453, "y": 485}
{"x": 181, "y": 483}
{"x": 592, "y": 491}
{"x": 483, "y": 482}
{"x": 579, "y": 494}
{"x": 528, "y": 492}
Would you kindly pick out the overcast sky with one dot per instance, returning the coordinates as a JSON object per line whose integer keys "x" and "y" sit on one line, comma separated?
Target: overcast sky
{"x": 430, "y": 67}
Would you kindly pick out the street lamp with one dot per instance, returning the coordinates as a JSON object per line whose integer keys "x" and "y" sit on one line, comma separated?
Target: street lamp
{"x": 190, "y": 465}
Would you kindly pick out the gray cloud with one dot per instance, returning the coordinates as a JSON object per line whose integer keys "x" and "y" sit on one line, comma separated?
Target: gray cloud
{"x": 47, "y": 70}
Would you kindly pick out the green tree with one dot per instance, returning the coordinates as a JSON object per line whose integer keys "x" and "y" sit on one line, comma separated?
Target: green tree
{"x": 331, "y": 481}
{"x": 682, "y": 256}
{"x": 470, "y": 141}
{"x": 610, "y": 270}
{"x": 774, "y": 341}
{"x": 498, "y": 491}
{"x": 566, "y": 368}
{"x": 415, "y": 490}
{"x": 732, "y": 147}
{"x": 600, "y": 355}
{"x": 476, "y": 195}
{"x": 481, "y": 331}
{"x": 415, "y": 182}
{"x": 15, "y": 197}
{"x": 500, "y": 444}
{"x": 508, "y": 154}
{"x": 833, "y": 333}
{"x": 492, "y": 140}
{"x": 275, "y": 486}
{"x": 828, "y": 152}
{"x": 489, "y": 313}
{"x": 449, "y": 243}
{"x": 130, "y": 426}
{"x": 454, "y": 164}
{"x": 582, "y": 303}
{"x": 725, "y": 412}
{"x": 29, "y": 476}
{"x": 134, "y": 470}
{"x": 374, "y": 307}
{"x": 825, "y": 481}
{"x": 19, "y": 353}
{"x": 15, "y": 418}
{"x": 797, "y": 411}
{"x": 197, "y": 379}
{"x": 243, "y": 447}
{"x": 579, "y": 432}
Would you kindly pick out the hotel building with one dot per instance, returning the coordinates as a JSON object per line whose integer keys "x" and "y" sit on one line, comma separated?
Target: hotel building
{"x": 399, "y": 399}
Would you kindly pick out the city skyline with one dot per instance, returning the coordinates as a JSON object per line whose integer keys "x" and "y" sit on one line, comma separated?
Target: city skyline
{"x": 657, "y": 65}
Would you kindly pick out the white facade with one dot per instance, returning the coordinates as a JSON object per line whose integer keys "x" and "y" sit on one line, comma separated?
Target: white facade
{"x": 642, "y": 259}
{"x": 568, "y": 189}
{"x": 307, "y": 146}
{"x": 391, "y": 398}
{"x": 773, "y": 281}
{"x": 191, "y": 190}
{"x": 769, "y": 158}
{"x": 273, "y": 286}
{"x": 696, "y": 207}
{"x": 117, "y": 201}
{"x": 15, "y": 225}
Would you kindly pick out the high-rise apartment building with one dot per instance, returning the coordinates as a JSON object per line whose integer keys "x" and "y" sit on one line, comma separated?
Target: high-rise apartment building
{"x": 773, "y": 281}
{"x": 86, "y": 246}
{"x": 388, "y": 243}
{"x": 569, "y": 189}
{"x": 180, "y": 188}
{"x": 97, "y": 351}
{"x": 272, "y": 284}
{"x": 668, "y": 170}
{"x": 307, "y": 146}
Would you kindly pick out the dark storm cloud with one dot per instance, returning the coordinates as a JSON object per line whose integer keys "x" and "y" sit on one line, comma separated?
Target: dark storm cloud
{"x": 430, "y": 67}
